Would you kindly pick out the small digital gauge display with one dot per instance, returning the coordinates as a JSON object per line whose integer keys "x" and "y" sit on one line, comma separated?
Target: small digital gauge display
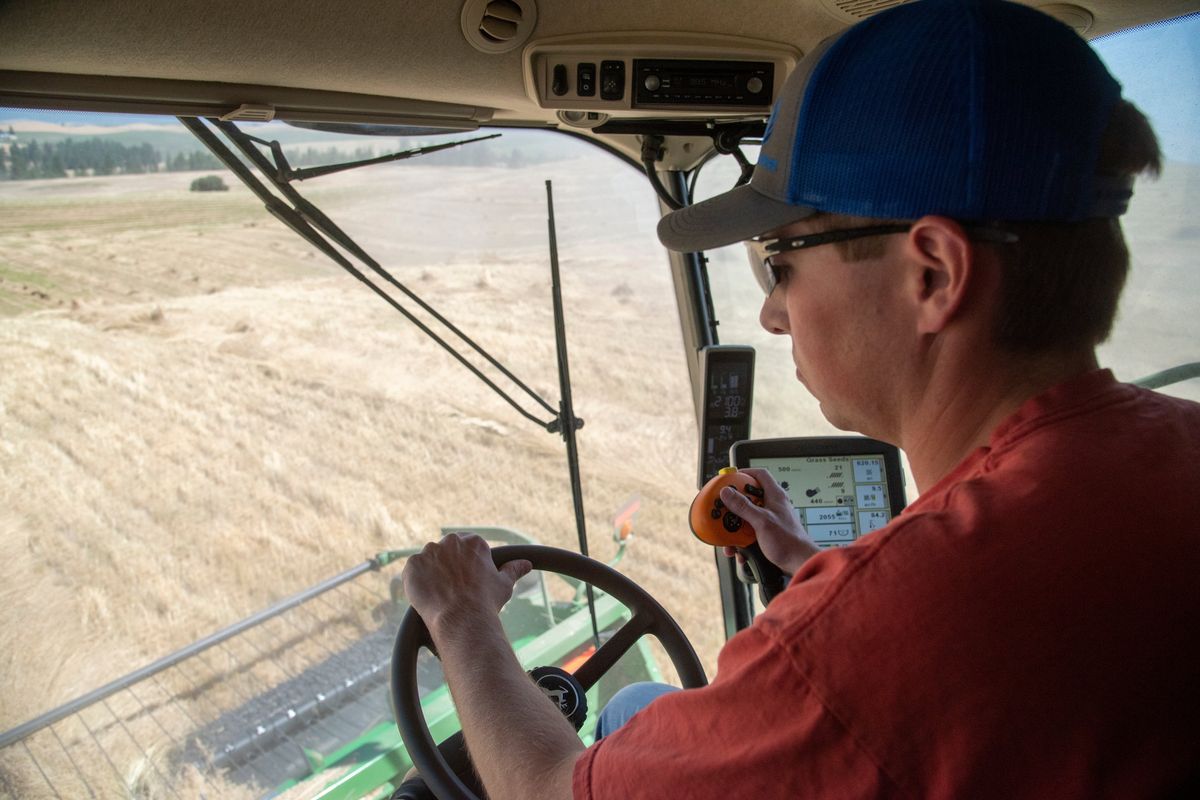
{"x": 728, "y": 396}
{"x": 725, "y": 408}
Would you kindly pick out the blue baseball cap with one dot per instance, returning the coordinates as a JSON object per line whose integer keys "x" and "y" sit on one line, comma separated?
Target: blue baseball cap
{"x": 972, "y": 109}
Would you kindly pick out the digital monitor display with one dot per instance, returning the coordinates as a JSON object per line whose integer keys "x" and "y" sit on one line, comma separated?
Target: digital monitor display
{"x": 728, "y": 394}
{"x": 837, "y": 498}
{"x": 726, "y": 405}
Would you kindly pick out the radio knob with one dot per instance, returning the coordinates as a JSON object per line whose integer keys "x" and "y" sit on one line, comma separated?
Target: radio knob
{"x": 652, "y": 83}
{"x": 754, "y": 85}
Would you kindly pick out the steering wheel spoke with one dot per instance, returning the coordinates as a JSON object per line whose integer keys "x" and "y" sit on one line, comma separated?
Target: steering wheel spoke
{"x": 611, "y": 651}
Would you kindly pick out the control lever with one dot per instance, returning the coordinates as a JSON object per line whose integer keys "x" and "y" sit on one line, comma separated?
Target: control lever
{"x": 713, "y": 523}
{"x": 752, "y": 570}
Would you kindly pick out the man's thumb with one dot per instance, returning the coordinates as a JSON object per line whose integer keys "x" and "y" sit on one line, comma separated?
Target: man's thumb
{"x": 515, "y": 570}
{"x": 735, "y": 501}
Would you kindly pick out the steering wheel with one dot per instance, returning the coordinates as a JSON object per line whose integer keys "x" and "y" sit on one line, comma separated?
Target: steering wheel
{"x": 648, "y": 618}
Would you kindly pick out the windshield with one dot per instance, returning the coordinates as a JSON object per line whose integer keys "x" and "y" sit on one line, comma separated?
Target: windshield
{"x": 1157, "y": 326}
{"x": 201, "y": 415}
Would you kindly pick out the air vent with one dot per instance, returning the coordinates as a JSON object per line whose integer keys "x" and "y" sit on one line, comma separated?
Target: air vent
{"x": 1078, "y": 18}
{"x": 855, "y": 10}
{"x": 497, "y": 26}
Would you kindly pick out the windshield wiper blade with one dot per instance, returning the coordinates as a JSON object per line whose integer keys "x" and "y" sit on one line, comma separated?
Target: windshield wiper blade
{"x": 305, "y": 219}
{"x": 285, "y": 172}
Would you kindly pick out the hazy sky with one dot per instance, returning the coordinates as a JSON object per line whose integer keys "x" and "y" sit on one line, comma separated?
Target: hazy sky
{"x": 1158, "y": 66}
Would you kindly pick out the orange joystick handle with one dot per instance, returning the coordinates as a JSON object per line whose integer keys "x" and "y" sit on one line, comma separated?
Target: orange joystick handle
{"x": 713, "y": 523}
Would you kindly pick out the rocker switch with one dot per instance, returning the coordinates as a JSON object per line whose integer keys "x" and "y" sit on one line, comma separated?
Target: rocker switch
{"x": 585, "y": 80}
{"x": 558, "y": 83}
{"x": 612, "y": 80}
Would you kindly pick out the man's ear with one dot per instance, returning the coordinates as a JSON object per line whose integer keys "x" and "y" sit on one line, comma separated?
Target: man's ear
{"x": 942, "y": 262}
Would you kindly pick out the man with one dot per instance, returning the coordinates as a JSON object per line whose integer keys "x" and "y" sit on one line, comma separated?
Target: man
{"x": 934, "y": 218}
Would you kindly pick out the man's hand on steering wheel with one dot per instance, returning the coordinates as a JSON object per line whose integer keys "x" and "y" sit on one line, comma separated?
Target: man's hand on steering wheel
{"x": 457, "y": 574}
{"x": 456, "y": 588}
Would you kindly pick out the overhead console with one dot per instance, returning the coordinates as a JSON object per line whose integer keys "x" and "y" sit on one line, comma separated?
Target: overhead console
{"x": 626, "y": 74}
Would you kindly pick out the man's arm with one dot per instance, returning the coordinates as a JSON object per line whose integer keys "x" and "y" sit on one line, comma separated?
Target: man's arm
{"x": 519, "y": 742}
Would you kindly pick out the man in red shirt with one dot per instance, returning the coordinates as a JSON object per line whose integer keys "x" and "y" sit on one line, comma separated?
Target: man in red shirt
{"x": 934, "y": 217}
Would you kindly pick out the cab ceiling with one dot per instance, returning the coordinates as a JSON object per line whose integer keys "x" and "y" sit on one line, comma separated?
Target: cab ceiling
{"x": 390, "y": 48}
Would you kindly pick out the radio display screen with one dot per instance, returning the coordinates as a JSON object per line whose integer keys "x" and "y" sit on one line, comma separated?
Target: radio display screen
{"x": 708, "y": 82}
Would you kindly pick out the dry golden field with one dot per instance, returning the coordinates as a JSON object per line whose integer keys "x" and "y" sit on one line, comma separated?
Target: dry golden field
{"x": 216, "y": 417}
{"x": 200, "y": 415}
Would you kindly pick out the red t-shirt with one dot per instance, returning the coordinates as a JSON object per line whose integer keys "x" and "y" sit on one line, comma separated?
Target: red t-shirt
{"x": 1029, "y": 627}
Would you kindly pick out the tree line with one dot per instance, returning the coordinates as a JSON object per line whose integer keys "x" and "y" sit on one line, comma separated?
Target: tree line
{"x": 71, "y": 158}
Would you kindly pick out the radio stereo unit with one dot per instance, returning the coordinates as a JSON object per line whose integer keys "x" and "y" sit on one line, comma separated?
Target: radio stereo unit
{"x": 668, "y": 82}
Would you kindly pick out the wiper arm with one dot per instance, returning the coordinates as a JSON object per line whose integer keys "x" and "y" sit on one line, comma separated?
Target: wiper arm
{"x": 317, "y": 229}
{"x": 311, "y": 224}
{"x": 285, "y": 172}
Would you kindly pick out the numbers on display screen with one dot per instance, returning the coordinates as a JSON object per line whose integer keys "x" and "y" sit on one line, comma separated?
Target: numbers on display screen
{"x": 837, "y": 498}
{"x": 728, "y": 396}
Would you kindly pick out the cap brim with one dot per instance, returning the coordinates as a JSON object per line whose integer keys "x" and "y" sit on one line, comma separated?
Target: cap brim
{"x": 735, "y": 216}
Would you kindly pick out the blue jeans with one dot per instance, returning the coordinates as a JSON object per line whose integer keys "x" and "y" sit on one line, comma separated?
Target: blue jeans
{"x": 627, "y": 702}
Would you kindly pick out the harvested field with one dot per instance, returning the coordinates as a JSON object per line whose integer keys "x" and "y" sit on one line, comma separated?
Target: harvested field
{"x": 200, "y": 415}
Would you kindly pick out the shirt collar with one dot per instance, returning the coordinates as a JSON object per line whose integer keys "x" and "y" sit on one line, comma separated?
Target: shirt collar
{"x": 1057, "y": 401}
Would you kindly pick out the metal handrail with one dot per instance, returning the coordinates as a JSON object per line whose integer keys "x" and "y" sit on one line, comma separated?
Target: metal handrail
{"x": 67, "y": 709}
{"x": 1167, "y": 377}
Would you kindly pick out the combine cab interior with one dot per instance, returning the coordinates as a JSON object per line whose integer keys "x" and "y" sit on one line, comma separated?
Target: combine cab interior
{"x": 227, "y": 417}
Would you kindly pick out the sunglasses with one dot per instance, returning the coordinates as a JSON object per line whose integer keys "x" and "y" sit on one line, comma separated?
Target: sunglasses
{"x": 761, "y": 250}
